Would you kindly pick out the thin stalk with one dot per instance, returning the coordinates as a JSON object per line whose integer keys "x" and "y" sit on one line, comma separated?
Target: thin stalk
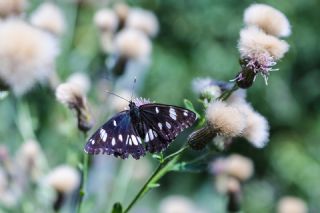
{"x": 84, "y": 181}
{"x": 162, "y": 169}
{"x": 180, "y": 151}
{"x": 225, "y": 95}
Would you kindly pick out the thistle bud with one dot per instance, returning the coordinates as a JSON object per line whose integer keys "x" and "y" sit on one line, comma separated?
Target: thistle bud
{"x": 72, "y": 96}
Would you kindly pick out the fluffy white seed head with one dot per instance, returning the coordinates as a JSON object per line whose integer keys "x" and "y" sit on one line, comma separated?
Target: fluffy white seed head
{"x": 70, "y": 95}
{"x": 49, "y": 17}
{"x": 255, "y": 43}
{"x": 143, "y": 20}
{"x": 226, "y": 120}
{"x": 81, "y": 80}
{"x": 257, "y": 128}
{"x": 239, "y": 167}
{"x": 177, "y": 204}
{"x": 132, "y": 44}
{"x": 122, "y": 11}
{"x": 269, "y": 19}
{"x": 64, "y": 179}
{"x": 27, "y": 55}
{"x": 292, "y": 205}
{"x": 12, "y": 7}
{"x": 106, "y": 20}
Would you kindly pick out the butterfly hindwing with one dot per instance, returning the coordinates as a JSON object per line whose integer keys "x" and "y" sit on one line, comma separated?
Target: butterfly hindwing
{"x": 163, "y": 123}
{"x": 118, "y": 137}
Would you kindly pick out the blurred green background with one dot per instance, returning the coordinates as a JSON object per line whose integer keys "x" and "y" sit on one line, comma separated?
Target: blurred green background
{"x": 198, "y": 39}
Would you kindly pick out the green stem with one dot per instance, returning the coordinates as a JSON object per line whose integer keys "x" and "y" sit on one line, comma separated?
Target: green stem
{"x": 180, "y": 151}
{"x": 84, "y": 181}
{"x": 162, "y": 169}
{"x": 225, "y": 95}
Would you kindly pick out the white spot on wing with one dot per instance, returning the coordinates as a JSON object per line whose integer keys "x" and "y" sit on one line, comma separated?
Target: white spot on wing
{"x": 120, "y": 137}
{"x": 103, "y": 135}
{"x": 160, "y": 126}
{"x": 157, "y": 110}
{"x": 113, "y": 142}
{"x": 134, "y": 140}
{"x": 147, "y": 137}
{"x": 139, "y": 140}
{"x": 155, "y": 134}
{"x": 92, "y": 142}
{"x": 185, "y": 113}
{"x": 168, "y": 125}
{"x": 114, "y": 123}
{"x": 173, "y": 113}
{"x": 151, "y": 134}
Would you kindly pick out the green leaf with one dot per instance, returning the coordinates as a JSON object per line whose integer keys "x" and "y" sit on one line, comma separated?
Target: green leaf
{"x": 117, "y": 208}
{"x": 188, "y": 104}
{"x": 159, "y": 157}
{"x": 153, "y": 185}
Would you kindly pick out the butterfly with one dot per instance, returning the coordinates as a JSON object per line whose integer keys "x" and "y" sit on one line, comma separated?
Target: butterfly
{"x": 144, "y": 127}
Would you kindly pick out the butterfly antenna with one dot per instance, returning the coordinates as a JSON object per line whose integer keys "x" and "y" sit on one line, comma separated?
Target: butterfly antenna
{"x": 134, "y": 82}
{"x": 111, "y": 93}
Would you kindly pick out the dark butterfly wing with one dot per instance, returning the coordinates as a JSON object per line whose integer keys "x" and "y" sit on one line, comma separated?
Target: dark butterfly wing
{"x": 163, "y": 123}
{"x": 118, "y": 137}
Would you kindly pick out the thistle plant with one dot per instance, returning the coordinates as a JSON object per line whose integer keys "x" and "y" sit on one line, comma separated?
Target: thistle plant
{"x": 82, "y": 178}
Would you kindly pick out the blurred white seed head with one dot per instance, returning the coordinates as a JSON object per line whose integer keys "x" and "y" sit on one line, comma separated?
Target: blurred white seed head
{"x": 27, "y": 55}
{"x": 132, "y": 44}
{"x": 238, "y": 96}
{"x": 30, "y": 159}
{"x": 254, "y": 43}
{"x": 106, "y": 20}
{"x": 225, "y": 183}
{"x": 234, "y": 165}
{"x": 226, "y": 120}
{"x": 143, "y": 20}
{"x": 292, "y": 205}
{"x": 177, "y": 204}
{"x": 199, "y": 84}
{"x": 81, "y": 80}
{"x": 71, "y": 95}
{"x": 64, "y": 179}
{"x": 118, "y": 103}
{"x": 257, "y": 128}
{"x": 269, "y": 19}
{"x": 106, "y": 41}
{"x": 122, "y": 11}
{"x": 239, "y": 167}
{"x": 12, "y": 7}
{"x": 49, "y": 17}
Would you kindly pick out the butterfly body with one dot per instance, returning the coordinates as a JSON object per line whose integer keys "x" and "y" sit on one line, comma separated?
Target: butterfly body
{"x": 144, "y": 127}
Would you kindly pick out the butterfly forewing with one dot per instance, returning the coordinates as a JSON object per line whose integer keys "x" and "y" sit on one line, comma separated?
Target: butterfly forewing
{"x": 163, "y": 123}
{"x": 118, "y": 137}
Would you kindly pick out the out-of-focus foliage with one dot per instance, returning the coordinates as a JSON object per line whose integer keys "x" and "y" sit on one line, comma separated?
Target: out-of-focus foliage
{"x": 197, "y": 38}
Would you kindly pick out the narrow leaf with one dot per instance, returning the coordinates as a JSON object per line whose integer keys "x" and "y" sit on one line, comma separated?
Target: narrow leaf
{"x": 188, "y": 104}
